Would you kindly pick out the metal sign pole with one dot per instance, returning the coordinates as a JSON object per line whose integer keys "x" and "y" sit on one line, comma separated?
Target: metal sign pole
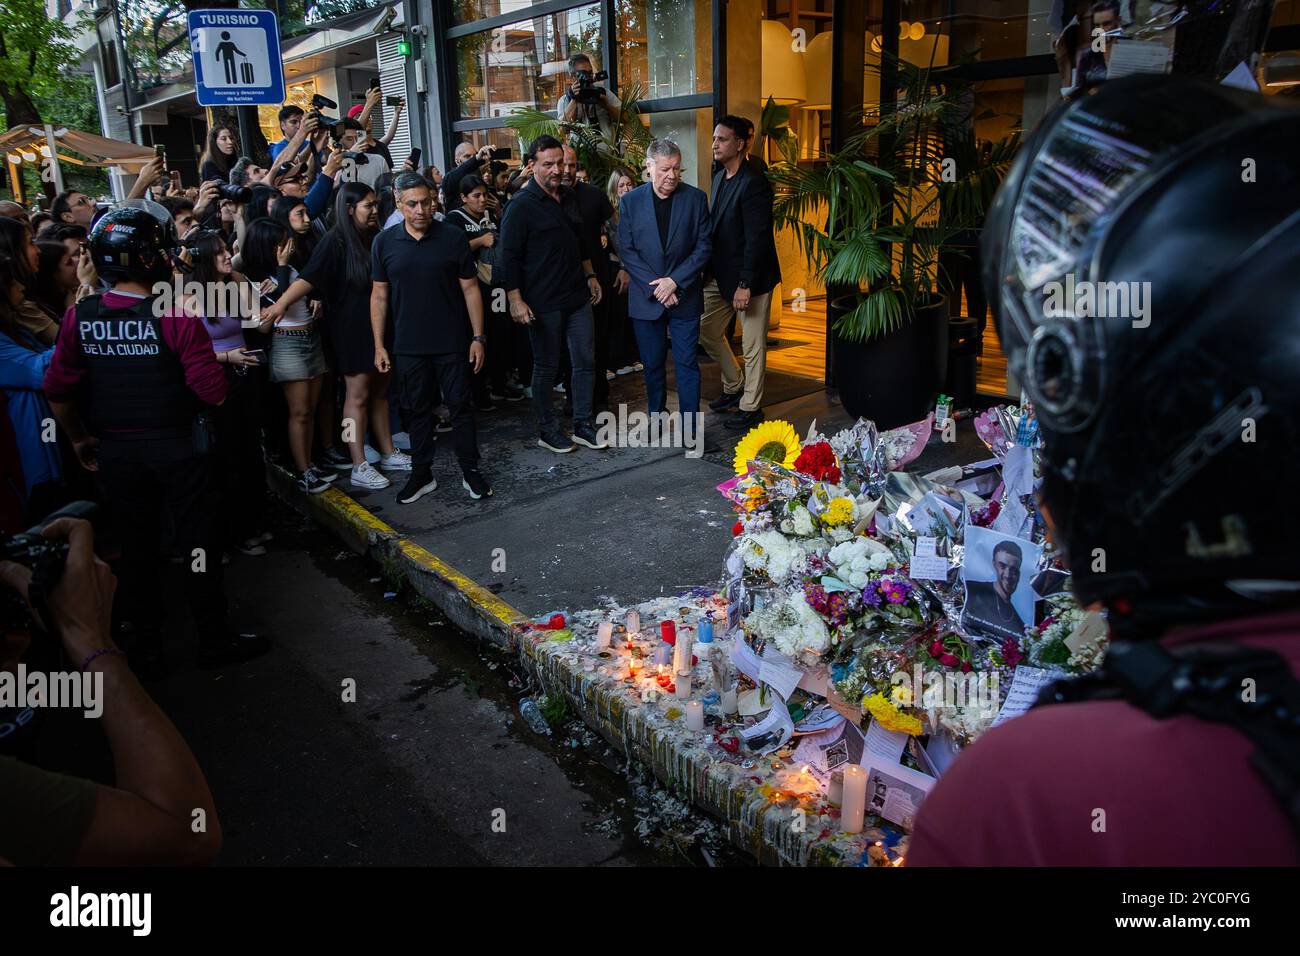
{"x": 54, "y": 158}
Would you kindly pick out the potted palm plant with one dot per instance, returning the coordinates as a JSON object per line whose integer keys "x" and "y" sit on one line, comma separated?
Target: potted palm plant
{"x": 622, "y": 148}
{"x": 872, "y": 222}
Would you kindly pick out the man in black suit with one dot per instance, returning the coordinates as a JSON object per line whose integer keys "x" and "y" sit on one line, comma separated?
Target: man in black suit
{"x": 743, "y": 270}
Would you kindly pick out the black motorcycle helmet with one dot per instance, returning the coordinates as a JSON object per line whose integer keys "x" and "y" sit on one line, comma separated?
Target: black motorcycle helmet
{"x": 135, "y": 240}
{"x": 1171, "y": 430}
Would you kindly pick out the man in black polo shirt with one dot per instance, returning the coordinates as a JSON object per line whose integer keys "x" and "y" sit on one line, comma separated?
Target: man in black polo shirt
{"x": 424, "y": 269}
{"x": 546, "y": 271}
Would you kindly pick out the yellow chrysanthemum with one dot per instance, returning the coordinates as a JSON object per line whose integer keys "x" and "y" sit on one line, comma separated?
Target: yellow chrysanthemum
{"x": 902, "y": 695}
{"x": 838, "y": 512}
{"x": 890, "y": 717}
{"x": 773, "y": 441}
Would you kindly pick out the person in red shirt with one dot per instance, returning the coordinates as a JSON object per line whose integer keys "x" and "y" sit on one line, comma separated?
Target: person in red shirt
{"x": 1170, "y": 459}
{"x": 129, "y": 382}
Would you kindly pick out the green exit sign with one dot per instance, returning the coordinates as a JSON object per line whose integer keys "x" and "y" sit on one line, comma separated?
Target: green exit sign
{"x": 404, "y": 47}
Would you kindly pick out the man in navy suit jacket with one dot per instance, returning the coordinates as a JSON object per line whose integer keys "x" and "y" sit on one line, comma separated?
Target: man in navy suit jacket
{"x": 664, "y": 240}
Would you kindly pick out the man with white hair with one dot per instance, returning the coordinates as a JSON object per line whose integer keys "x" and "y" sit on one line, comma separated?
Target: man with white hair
{"x": 665, "y": 242}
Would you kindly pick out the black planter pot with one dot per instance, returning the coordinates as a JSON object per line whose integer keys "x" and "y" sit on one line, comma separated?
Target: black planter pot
{"x": 894, "y": 379}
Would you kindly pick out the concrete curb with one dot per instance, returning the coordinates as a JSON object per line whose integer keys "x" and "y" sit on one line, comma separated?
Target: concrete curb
{"x": 467, "y": 604}
{"x": 751, "y": 820}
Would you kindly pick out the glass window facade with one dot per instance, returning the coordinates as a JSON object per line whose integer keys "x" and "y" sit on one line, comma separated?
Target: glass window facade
{"x": 524, "y": 64}
{"x": 665, "y": 46}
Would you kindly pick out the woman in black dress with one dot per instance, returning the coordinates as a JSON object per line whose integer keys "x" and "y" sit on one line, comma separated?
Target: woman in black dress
{"x": 339, "y": 271}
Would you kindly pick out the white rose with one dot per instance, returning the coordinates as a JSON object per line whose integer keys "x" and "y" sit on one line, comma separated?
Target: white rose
{"x": 858, "y": 579}
{"x": 861, "y": 562}
{"x": 803, "y": 523}
{"x": 787, "y": 526}
{"x": 878, "y": 561}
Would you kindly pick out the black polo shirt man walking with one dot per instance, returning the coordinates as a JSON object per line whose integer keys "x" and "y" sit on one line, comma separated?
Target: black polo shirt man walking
{"x": 424, "y": 274}
{"x": 545, "y": 264}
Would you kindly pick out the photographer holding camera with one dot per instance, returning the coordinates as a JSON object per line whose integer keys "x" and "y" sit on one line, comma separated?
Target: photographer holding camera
{"x": 133, "y": 388}
{"x": 148, "y": 816}
{"x": 584, "y": 101}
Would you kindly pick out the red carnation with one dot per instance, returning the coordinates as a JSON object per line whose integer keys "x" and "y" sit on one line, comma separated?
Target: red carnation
{"x": 947, "y": 660}
{"x": 556, "y": 623}
{"x": 818, "y": 461}
{"x": 737, "y": 528}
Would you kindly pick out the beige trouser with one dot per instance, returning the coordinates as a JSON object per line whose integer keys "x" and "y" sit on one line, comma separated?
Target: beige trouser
{"x": 753, "y": 337}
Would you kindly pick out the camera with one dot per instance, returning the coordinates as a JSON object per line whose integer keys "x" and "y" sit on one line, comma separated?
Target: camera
{"x": 330, "y": 123}
{"x": 44, "y": 558}
{"x": 588, "y": 93}
{"x": 237, "y": 194}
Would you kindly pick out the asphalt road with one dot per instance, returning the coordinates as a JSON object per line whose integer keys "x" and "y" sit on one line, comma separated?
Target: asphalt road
{"x": 431, "y": 765}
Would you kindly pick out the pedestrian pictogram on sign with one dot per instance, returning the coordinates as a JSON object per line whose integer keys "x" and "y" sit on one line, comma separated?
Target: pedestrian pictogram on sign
{"x": 236, "y": 57}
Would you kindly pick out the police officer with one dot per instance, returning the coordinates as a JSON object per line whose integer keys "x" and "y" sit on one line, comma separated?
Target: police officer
{"x": 129, "y": 383}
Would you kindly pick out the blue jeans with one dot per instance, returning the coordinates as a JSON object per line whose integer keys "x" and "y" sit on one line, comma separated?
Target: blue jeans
{"x": 548, "y": 334}
{"x": 652, "y": 342}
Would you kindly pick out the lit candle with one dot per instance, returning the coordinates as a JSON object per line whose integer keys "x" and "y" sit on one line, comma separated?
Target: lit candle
{"x": 603, "y": 634}
{"x": 729, "y": 701}
{"x": 694, "y": 715}
{"x": 854, "y": 799}
{"x": 634, "y": 622}
{"x": 683, "y": 682}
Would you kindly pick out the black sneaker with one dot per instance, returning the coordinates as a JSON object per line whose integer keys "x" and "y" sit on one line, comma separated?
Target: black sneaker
{"x": 232, "y": 649}
{"x": 312, "y": 482}
{"x": 476, "y": 484}
{"x": 746, "y": 419}
{"x": 417, "y": 487}
{"x": 555, "y": 441}
{"x": 324, "y": 472}
{"x": 726, "y": 401}
{"x": 509, "y": 393}
{"x": 336, "y": 458}
{"x": 444, "y": 425}
{"x": 585, "y": 434}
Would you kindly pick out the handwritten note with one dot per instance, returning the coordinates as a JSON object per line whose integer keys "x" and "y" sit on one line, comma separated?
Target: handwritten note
{"x": 886, "y": 744}
{"x": 1025, "y": 685}
{"x": 927, "y": 564}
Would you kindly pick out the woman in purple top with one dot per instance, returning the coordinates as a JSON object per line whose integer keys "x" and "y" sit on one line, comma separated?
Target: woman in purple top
{"x": 226, "y": 301}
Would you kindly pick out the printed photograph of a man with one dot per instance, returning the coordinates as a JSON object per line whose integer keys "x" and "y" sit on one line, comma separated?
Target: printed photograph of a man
{"x": 997, "y": 571}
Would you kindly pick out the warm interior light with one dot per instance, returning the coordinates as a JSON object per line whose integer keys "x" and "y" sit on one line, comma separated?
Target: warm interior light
{"x": 782, "y": 78}
{"x": 903, "y": 28}
{"x": 917, "y": 30}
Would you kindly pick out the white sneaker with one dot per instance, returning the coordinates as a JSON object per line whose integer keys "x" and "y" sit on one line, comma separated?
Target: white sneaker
{"x": 397, "y": 461}
{"x": 626, "y": 370}
{"x": 365, "y": 476}
{"x": 609, "y": 376}
{"x": 638, "y": 367}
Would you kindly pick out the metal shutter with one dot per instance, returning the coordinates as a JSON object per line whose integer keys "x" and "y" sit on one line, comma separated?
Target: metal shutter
{"x": 392, "y": 79}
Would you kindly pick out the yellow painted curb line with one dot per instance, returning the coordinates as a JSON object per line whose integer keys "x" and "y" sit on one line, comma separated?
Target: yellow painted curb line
{"x": 342, "y": 508}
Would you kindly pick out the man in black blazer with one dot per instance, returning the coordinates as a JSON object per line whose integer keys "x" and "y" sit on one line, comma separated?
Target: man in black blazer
{"x": 742, "y": 271}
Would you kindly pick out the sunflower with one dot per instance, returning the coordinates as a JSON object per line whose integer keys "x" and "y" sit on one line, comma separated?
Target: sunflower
{"x": 773, "y": 441}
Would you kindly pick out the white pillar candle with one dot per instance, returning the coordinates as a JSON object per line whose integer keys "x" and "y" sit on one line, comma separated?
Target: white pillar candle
{"x": 729, "y": 701}
{"x": 682, "y": 654}
{"x": 633, "y": 622}
{"x": 603, "y": 634}
{"x": 683, "y": 683}
{"x": 835, "y": 789}
{"x": 855, "y": 799}
{"x": 694, "y": 715}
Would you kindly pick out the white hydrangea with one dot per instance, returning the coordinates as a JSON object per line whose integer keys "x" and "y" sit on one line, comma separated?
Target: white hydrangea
{"x": 791, "y": 625}
{"x": 772, "y": 553}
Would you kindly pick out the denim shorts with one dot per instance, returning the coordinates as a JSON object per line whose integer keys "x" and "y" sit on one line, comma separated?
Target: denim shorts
{"x": 296, "y": 355}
